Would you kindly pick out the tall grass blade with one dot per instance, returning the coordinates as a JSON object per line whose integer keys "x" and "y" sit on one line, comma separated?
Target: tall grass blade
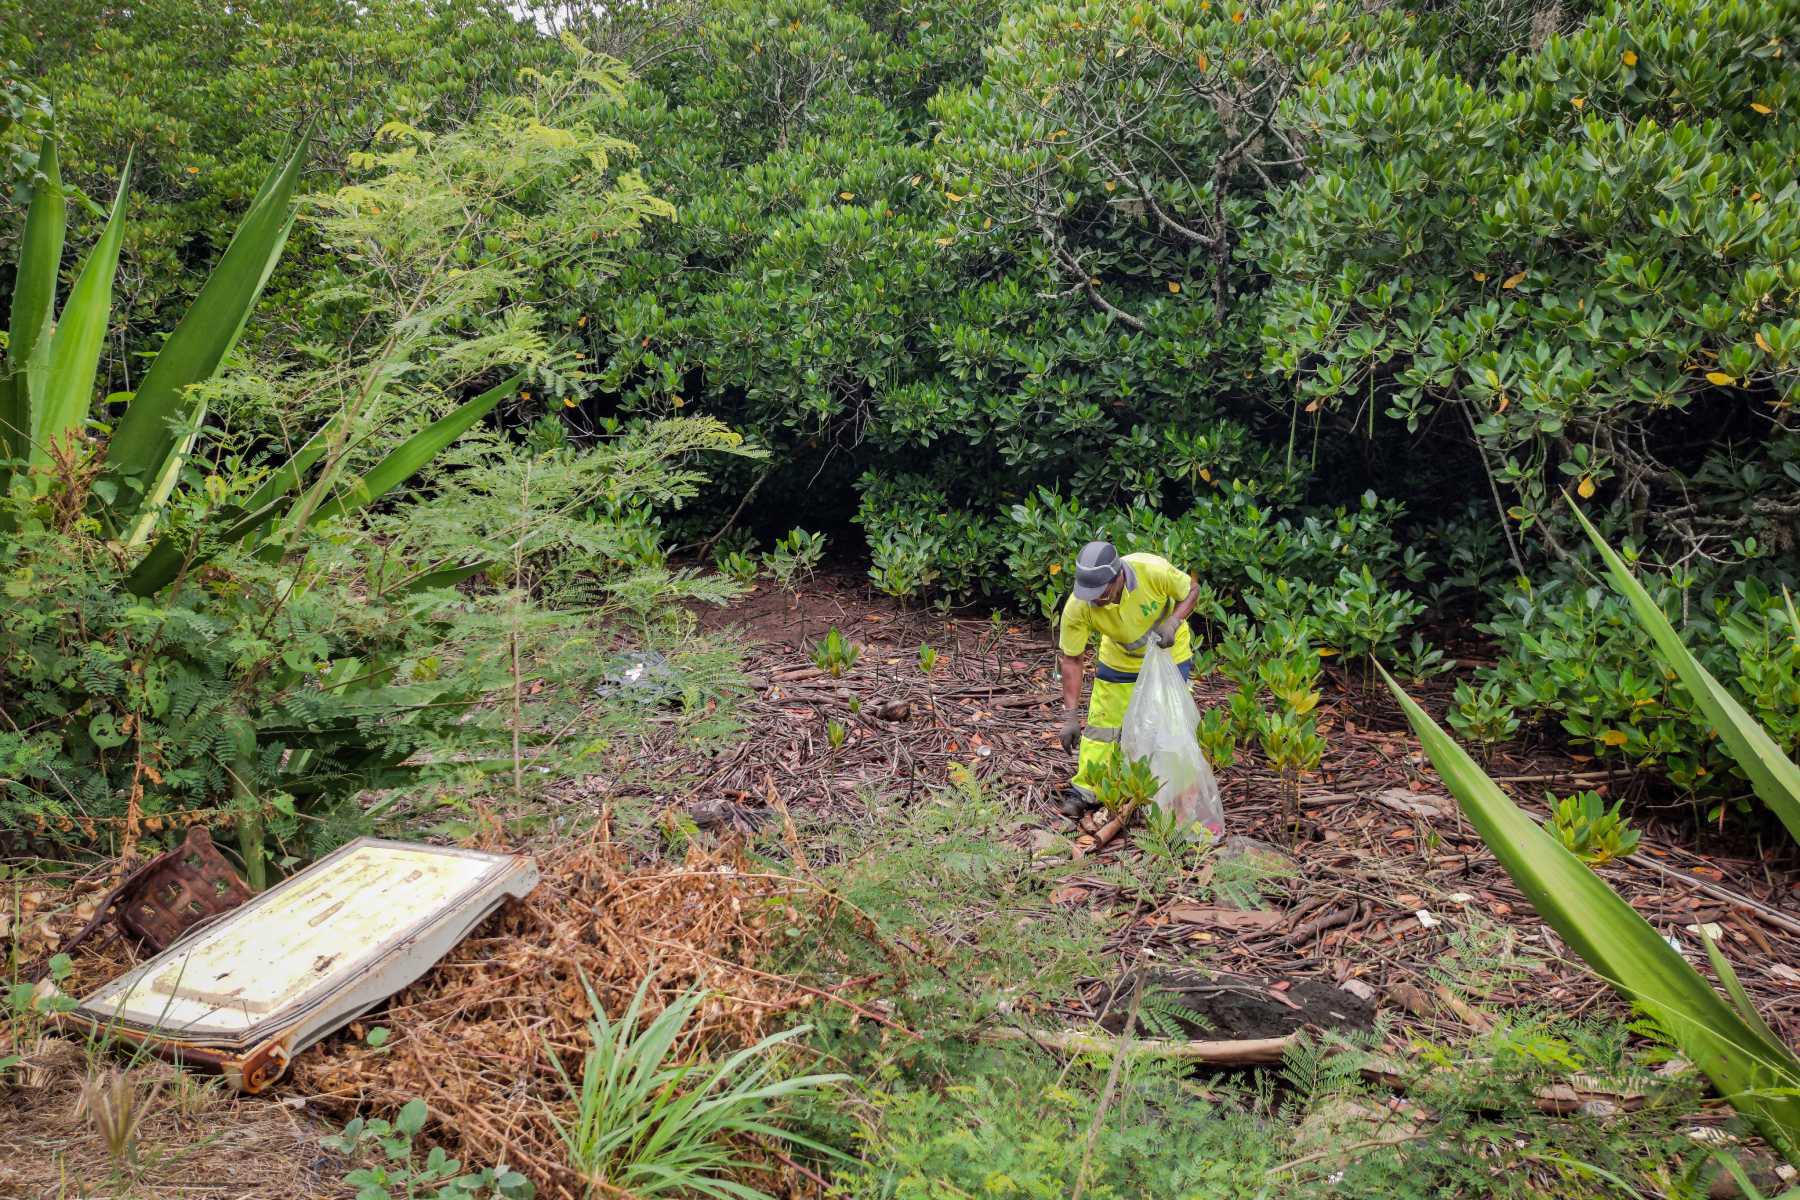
{"x": 145, "y": 437}
{"x": 1750, "y": 1069}
{"x": 1772, "y": 773}
{"x": 646, "y": 1124}
{"x": 33, "y": 303}
{"x": 79, "y": 337}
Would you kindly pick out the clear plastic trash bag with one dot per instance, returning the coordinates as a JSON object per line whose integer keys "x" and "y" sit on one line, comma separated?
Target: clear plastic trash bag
{"x": 1159, "y": 726}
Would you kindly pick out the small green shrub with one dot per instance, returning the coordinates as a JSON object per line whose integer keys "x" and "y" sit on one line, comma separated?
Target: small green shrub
{"x": 1361, "y": 618}
{"x": 1590, "y": 830}
{"x": 922, "y": 545}
{"x": 1419, "y": 661}
{"x": 1573, "y": 656}
{"x": 928, "y": 659}
{"x": 1246, "y": 709}
{"x": 1293, "y": 680}
{"x": 835, "y": 653}
{"x": 1293, "y": 747}
{"x": 1239, "y": 652}
{"x": 1124, "y": 783}
{"x": 401, "y": 1175}
{"x": 794, "y": 558}
{"x": 1218, "y": 737}
{"x": 1482, "y": 714}
{"x": 737, "y": 566}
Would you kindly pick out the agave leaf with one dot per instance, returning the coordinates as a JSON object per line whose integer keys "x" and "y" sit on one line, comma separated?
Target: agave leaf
{"x": 411, "y": 456}
{"x": 1772, "y": 774}
{"x": 287, "y": 477}
{"x": 1755, "y": 1072}
{"x": 80, "y": 334}
{"x": 163, "y": 486}
{"x": 157, "y": 569}
{"x": 33, "y": 303}
{"x": 439, "y": 577}
{"x": 1734, "y": 987}
{"x": 145, "y": 438}
{"x": 15, "y": 402}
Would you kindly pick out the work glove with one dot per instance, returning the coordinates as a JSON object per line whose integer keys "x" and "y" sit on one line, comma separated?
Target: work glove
{"x": 1069, "y": 732}
{"x": 1165, "y": 631}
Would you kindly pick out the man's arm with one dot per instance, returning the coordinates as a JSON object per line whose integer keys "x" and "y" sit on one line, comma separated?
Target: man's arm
{"x": 1186, "y": 606}
{"x": 1169, "y": 626}
{"x": 1071, "y": 668}
{"x": 1068, "y": 731}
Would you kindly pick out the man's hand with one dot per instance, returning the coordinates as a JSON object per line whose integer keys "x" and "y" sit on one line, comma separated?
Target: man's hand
{"x": 1166, "y": 629}
{"x": 1069, "y": 732}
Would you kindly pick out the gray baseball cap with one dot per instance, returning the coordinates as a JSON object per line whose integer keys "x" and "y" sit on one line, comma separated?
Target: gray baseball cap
{"x": 1096, "y": 567}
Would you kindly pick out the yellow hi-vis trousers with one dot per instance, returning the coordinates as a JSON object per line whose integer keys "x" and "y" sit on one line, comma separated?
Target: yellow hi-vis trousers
{"x": 1106, "y": 713}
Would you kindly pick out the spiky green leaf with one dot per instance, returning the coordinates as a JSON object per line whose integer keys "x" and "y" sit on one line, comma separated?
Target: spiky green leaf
{"x": 1772, "y": 774}
{"x": 411, "y": 456}
{"x": 1750, "y": 1069}
{"x": 80, "y": 335}
{"x": 145, "y": 436}
{"x": 33, "y": 301}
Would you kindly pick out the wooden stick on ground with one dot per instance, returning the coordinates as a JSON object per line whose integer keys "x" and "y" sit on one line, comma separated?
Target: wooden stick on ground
{"x": 1243, "y": 1052}
{"x": 1773, "y": 917}
{"x": 1104, "y": 835}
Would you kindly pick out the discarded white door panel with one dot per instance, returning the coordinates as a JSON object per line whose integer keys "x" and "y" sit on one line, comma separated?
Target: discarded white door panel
{"x": 247, "y": 992}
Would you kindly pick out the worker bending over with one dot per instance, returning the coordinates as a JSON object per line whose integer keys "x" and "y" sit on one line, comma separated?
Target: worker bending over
{"x": 1129, "y": 600}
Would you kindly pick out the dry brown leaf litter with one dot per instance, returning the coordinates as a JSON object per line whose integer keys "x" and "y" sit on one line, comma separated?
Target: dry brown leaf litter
{"x": 474, "y": 1037}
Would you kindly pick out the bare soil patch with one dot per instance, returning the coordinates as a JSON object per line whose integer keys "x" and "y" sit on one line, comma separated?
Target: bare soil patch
{"x": 1390, "y": 891}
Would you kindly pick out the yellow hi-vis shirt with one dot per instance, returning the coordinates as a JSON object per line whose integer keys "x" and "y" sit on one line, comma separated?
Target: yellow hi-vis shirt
{"x": 1153, "y": 587}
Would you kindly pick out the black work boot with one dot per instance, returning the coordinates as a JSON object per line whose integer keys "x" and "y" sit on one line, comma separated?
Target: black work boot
{"x": 1074, "y": 804}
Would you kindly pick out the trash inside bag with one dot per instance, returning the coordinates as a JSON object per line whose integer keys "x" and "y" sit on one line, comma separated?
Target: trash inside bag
{"x": 1159, "y": 726}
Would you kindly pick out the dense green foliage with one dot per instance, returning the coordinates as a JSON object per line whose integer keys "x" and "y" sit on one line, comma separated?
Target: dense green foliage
{"x": 207, "y": 623}
{"x": 1195, "y": 276}
{"x": 1566, "y": 262}
{"x": 1722, "y": 1033}
{"x": 204, "y": 97}
{"x": 997, "y": 277}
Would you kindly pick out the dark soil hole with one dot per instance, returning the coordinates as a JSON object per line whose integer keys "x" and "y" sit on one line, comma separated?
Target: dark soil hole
{"x": 1197, "y": 1006}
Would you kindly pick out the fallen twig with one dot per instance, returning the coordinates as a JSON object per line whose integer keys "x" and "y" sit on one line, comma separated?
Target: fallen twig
{"x": 1241, "y": 1052}
{"x": 1718, "y": 892}
{"x": 1104, "y": 835}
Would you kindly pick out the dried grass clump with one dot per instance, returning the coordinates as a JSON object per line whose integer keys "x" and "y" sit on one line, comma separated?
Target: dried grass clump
{"x": 79, "y": 1126}
{"x": 473, "y": 1037}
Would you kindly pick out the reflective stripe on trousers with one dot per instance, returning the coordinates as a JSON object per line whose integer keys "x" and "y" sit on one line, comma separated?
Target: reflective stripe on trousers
{"x": 1106, "y": 712}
